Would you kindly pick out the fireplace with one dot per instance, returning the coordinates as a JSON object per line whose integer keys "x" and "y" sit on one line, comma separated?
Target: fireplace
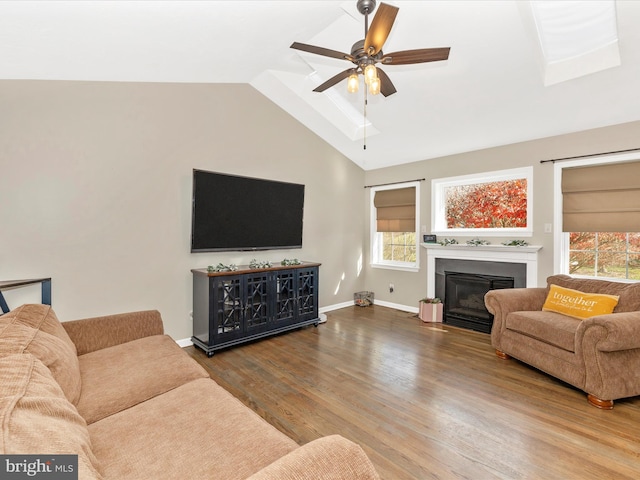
{"x": 464, "y": 299}
{"x": 488, "y": 261}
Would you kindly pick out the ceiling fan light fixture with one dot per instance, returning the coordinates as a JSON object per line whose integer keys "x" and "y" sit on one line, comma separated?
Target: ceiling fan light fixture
{"x": 374, "y": 86}
{"x": 353, "y": 82}
{"x": 370, "y": 73}
{"x": 366, "y": 53}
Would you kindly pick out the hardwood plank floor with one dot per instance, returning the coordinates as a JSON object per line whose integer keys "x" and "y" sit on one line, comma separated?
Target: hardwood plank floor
{"x": 427, "y": 401}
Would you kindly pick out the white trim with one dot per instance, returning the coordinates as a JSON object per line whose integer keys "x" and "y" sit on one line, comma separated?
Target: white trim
{"x": 335, "y": 306}
{"x": 561, "y": 239}
{"x": 185, "y": 342}
{"x": 438, "y": 215}
{"x": 484, "y": 253}
{"x": 373, "y": 234}
{"x": 397, "y": 306}
{"x": 391, "y": 266}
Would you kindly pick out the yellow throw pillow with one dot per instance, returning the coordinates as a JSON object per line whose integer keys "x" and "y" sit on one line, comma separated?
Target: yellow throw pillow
{"x": 578, "y": 304}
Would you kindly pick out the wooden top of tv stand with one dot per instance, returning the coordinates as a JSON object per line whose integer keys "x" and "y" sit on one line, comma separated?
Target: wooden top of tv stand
{"x": 242, "y": 269}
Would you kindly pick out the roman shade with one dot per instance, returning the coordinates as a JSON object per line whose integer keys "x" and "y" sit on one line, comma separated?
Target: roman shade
{"x": 601, "y": 198}
{"x": 395, "y": 210}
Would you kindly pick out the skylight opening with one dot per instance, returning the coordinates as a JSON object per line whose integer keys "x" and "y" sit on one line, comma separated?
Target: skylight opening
{"x": 577, "y": 37}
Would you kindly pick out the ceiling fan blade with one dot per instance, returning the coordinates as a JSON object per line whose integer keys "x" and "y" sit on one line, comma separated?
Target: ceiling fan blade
{"x": 380, "y": 28}
{"x": 386, "y": 86}
{"x": 333, "y": 80}
{"x": 421, "y": 55}
{"x": 321, "y": 51}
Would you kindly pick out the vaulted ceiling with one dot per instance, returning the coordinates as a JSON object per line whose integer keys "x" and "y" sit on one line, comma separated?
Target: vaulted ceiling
{"x": 494, "y": 89}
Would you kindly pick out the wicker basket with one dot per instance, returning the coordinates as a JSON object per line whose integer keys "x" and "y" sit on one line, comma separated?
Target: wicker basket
{"x": 363, "y": 299}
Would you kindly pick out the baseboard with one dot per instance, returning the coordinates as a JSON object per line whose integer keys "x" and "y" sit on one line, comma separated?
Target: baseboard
{"x": 185, "y": 342}
{"x": 397, "y": 306}
{"x": 335, "y": 306}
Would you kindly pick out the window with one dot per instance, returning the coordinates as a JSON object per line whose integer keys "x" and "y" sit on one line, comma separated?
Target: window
{"x": 605, "y": 254}
{"x": 600, "y": 195}
{"x": 394, "y": 226}
{"x": 490, "y": 204}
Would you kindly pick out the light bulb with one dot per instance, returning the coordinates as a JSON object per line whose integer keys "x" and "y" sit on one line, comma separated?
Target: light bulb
{"x": 353, "y": 83}
{"x": 370, "y": 73}
{"x": 374, "y": 86}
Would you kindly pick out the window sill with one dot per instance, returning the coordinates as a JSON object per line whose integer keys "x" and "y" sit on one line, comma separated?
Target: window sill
{"x": 483, "y": 233}
{"x": 607, "y": 279}
{"x": 401, "y": 268}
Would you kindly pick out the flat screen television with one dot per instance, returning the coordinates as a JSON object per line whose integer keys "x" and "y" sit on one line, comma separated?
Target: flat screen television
{"x": 235, "y": 213}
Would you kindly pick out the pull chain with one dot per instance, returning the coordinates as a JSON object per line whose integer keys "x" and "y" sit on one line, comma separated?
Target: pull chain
{"x": 364, "y": 113}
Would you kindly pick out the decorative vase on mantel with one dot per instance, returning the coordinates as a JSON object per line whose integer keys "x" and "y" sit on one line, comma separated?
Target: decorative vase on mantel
{"x": 430, "y": 310}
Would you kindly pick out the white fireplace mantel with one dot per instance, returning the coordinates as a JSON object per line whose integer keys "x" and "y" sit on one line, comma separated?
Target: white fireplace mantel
{"x": 483, "y": 253}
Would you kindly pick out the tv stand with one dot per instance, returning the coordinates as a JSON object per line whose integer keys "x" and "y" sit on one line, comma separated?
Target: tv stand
{"x": 230, "y": 308}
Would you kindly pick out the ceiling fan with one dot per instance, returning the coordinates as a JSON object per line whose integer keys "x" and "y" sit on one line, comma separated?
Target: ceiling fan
{"x": 366, "y": 53}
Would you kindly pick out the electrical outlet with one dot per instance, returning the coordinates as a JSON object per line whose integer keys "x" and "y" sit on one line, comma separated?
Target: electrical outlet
{"x": 391, "y": 288}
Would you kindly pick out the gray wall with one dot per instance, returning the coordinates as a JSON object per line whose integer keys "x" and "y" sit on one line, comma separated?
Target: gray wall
{"x": 409, "y": 287}
{"x": 96, "y": 185}
{"x": 96, "y": 191}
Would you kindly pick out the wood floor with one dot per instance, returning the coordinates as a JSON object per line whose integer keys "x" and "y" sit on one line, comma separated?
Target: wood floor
{"x": 428, "y": 402}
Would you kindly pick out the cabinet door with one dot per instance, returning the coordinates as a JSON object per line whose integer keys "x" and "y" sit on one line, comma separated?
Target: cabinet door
{"x": 286, "y": 298}
{"x": 307, "y": 293}
{"x": 257, "y": 310}
{"x": 228, "y": 308}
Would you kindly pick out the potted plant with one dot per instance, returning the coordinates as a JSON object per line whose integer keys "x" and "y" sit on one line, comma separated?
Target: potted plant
{"x": 430, "y": 310}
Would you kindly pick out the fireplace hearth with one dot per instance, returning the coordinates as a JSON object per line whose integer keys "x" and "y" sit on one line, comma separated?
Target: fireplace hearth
{"x": 464, "y": 299}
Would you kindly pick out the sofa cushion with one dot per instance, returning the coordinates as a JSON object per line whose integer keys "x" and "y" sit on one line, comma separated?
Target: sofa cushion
{"x": 328, "y": 457}
{"x": 37, "y": 418}
{"x": 37, "y": 330}
{"x": 549, "y": 327}
{"x": 578, "y": 304}
{"x": 629, "y": 293}
{"x": 198, "y": 430}
{"x": 124, "y": 375}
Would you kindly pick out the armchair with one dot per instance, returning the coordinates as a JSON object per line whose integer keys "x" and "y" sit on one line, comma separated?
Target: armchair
{"x": 599, "y": 355}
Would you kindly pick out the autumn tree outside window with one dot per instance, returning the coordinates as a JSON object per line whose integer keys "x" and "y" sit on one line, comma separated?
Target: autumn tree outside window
{"x": 605, "y": 254}
{"x": 492, "y": 204}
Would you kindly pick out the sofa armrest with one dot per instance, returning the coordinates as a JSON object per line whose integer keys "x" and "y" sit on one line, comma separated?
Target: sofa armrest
{"x": 611, "y": 333}
{"x": 332, "y": 457}
{"x": 504, "y": 301}
{"x": 609, "y": 345}
{"x": 97, "y": 333}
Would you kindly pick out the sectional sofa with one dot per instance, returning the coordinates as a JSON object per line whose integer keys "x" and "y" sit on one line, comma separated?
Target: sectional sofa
{"x": 125, "y": 398}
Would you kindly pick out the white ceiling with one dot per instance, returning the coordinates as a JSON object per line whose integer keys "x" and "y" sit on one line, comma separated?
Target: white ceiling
{"x": 490, "y": 92}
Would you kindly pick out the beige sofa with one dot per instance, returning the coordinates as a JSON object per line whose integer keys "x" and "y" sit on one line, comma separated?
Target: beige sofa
{"x": 599, "y": 355}
{"x": 131, "y": 404}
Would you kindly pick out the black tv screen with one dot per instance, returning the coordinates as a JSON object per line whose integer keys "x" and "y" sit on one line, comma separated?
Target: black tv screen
{"x": 231, "y": 212}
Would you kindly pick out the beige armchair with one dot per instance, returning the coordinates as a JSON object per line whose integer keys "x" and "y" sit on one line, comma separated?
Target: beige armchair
{"x": 599, "y": 355}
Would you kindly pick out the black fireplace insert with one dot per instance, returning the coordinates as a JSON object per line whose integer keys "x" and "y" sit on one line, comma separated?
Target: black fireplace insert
{"x": 464, "y": 299}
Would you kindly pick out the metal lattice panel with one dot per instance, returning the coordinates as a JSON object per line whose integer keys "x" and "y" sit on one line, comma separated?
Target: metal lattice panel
{"x": 257, "y": 300}
{"x": 306, "y": 292}
{"x": 285, "y": 307}
{"x": 230, "y": 306}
